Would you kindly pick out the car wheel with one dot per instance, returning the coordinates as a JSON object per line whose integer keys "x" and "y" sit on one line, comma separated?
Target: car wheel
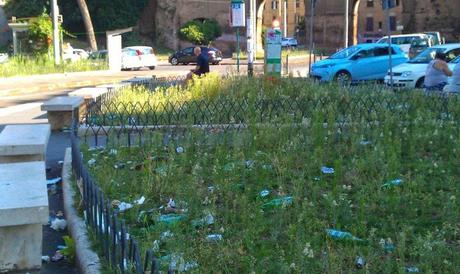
{"x": 420, "y": 83}
{"x": 174, "y": 61}
{"x": 152, "y": 67}
{"x": 343, "y": 78}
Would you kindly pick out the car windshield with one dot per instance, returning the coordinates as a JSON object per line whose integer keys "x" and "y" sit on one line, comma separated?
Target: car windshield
{"x": 345, "y": 53}
{"x": 456, "y": 60}
{"x": 426, "y": 56}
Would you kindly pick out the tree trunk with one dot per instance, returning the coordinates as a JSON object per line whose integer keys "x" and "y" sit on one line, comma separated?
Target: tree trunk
{"x": 88, "y": 24}
{"x": 147, "y": 23}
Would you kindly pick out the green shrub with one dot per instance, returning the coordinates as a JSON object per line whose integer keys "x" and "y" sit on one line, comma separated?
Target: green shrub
{"x": 200, "y": 32}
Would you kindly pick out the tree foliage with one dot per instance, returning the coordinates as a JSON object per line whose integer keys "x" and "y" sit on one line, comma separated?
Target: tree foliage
{"x": 41, "y": 33}
{"x": 200, "y": 31}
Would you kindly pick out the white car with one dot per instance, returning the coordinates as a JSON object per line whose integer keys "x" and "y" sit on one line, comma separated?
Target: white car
{"x": 289, "y": 42}
{"x": 74, "y": 55}
{"x": 138, "y": 57}
{"x": 403, "y": 40}
{"x": 412, "y": 73}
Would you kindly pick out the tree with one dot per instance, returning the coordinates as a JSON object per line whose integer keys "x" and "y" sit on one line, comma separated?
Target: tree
{"x": 88, "y": 24}
{"x": 200, "y": 31}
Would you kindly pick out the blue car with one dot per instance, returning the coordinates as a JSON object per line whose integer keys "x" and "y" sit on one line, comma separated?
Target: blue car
{"x": 362, "y": 62}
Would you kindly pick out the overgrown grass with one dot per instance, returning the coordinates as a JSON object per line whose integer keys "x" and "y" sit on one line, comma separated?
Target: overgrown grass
{"x": 26, "y": 65}
{"x": 413, "y": 223}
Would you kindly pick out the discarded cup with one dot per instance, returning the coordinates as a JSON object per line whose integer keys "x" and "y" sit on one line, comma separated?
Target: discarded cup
{"x": 214, "y": 237}
{"x": 275, "y": 203}
{"x": 360, "y": 262}
{"x": 179, "y": 150}
{"x": 327, "y": 170}
{"x": 392, "y": 183}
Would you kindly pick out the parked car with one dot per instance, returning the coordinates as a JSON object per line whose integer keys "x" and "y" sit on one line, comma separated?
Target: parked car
{"x": 289, "y": 42}
{"x": 419, "y": 45}
{"x": 138, "y": 57}
{"x": 74, "y": 55}
{"x": 3, "y": 58}
{"x": 437, "y": 37}
{"x": 403, "y": 40}
{"x": 357, "y": 63}
{"x": 99, "y": 55}
{"x": 412, "y": 73}
{"x": 186, "y": 56}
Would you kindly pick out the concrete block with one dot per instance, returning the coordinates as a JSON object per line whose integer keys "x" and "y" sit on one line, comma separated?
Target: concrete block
{"x": 24, "y": 143}
{"x": 61, "y": 110}
{"x": 89, "y": 93}
{"x": 62, "y": 103}
{"x": 20, "y": 247}
{"x": 23, "y": 211}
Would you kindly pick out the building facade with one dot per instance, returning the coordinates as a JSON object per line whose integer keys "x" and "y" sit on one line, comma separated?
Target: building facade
{"x": 292, "y": 10}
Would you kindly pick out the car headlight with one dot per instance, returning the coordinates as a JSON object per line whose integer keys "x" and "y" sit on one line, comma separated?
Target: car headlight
{"x": 406, "y": 73}
{"x": 324, "y": 66}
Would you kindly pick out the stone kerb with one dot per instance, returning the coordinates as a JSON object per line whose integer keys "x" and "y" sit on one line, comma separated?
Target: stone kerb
{"x": 89, "y": 94}
{"x": 24, "y": 143}
{"x": 23, "y": 211}
{"x": 62, "y": 109}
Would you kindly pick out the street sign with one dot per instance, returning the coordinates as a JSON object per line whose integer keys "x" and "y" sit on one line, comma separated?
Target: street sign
{"x": 388, "y": 4}
{"x": 273, "y": 52}
{"x": 238, "y": 13}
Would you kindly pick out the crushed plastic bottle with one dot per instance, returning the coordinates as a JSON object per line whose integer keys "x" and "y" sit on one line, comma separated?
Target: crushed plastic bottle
{"x": 327, "y": 170}
{"x": 365, "y": 142}
{"x": 214, "y": 237}
{"x": 342, "y": 235}
{"x": 264, "y": 193}
{"x": 412, "y": 269}
{"x": 170, "y": 218}
{"x": 53, "y": 181}
{"x": 206, "y": 220}
{"x": 279, "y": 202}
{"x": 392, "y": 183}
{"x": 140, "y": 201}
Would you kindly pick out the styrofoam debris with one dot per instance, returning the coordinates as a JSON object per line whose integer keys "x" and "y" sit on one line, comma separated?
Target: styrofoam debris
{"x": 58, "y": 224}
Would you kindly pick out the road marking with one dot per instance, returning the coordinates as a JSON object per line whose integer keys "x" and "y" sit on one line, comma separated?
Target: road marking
{"x": 18, "y": 108}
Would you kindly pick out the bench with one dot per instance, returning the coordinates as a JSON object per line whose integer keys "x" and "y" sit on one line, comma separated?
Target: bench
{"x": 23, "y": 212}
{"x": 89, "y": 94}
{"x": 24, "y": 143}
{"x": 61, "y": 110}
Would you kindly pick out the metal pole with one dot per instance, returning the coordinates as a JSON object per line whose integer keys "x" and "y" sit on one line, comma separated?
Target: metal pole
{"x": 56, "y": 43}
{"x": 249, "y": 44}
{"x": 312, "y": 14}
{"x": 285, "y": 19}
{"x": 347, "y": 27}
{"x": 254, "y": 29}
{"x": 390, "y": 52}
{"x": 238, "y": 49}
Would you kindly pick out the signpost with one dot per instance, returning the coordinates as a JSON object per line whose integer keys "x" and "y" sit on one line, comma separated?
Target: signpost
{"x": 238, "y": 20}
{"x": 387, "y": 5}
{"x": 273, "y": 52}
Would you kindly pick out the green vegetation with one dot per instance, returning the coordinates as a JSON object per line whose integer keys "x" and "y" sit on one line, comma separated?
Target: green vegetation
{"x": 379, "y": 165}
{"x": 200, "y": 32}
{"x": 42, "y": 64}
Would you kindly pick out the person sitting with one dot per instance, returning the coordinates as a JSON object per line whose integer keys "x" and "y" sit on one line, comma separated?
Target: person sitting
{"x": 202, "y": 64}
{"x": 437, "y": 73}
{"x": 454, "y": 86}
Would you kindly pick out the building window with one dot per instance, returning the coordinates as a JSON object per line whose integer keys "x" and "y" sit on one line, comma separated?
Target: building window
{"x": 370, "y": 3}
{"x": 392, "y": 23}
{"x": 369, "y": 24}
{"x": 297, "y": 3}
{"x": 274, "y": 4}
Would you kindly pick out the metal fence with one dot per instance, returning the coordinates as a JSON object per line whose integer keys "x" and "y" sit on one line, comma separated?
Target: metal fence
{"x": 119, "y": 248}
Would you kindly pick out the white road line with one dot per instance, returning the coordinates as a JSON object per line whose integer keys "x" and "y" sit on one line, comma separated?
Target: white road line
{"x": 18, "y": 108}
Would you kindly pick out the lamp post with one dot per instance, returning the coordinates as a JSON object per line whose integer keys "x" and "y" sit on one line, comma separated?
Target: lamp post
{"x": 56, "y": 44}
{"x": 347, "y": 13}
